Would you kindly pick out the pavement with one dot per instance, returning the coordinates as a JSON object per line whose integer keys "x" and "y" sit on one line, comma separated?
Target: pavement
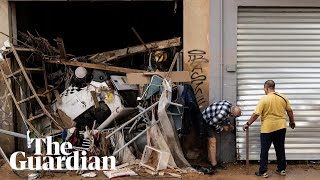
{"x": 233, "y": 171}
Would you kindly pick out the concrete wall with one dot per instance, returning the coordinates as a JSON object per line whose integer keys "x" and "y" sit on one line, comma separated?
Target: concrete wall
{"x": 223, "y": 48}
{"x": 4, "y": 20}
{"x": 6, "y": 142}
{"x": 196, "y": 15}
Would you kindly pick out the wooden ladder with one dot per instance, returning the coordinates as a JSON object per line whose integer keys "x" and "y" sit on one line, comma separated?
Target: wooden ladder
{"x": 22, "y": 70}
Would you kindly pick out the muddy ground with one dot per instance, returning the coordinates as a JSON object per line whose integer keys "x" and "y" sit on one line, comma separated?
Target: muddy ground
{"x": 305, "y": 171}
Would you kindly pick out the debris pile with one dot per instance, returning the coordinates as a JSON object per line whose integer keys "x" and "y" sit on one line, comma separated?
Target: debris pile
{"x": 107, "y": 104}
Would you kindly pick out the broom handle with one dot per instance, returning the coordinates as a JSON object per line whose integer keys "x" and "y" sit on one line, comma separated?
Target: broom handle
{"x": 247, "y": 150}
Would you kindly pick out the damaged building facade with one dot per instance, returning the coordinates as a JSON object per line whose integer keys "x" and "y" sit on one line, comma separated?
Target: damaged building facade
{"x": 122, "y": 93}
{"x": 110, "y": 77}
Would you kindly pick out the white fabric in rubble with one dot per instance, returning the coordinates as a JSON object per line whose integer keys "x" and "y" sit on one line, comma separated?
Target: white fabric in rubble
{"x": 125, "y": 155}
{"x": 168, "y": 128}
{"x": 7, "y": 43}
{"x": 1, "y": 57}
{"x": 158, "y": 141}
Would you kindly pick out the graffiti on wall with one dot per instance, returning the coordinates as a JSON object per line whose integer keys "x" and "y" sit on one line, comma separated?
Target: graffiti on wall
{"x": 198, "y": 76}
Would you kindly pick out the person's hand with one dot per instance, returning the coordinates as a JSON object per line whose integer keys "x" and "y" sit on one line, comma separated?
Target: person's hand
{"x": 292, "y": 125}
{"x": 245, "y": 126}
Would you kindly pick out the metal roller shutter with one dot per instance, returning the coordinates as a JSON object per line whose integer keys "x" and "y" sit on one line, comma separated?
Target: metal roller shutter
{"x": 282, "y": 44}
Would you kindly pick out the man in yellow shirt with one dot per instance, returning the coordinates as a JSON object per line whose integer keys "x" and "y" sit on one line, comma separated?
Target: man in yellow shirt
{"x": 272, "y": 108}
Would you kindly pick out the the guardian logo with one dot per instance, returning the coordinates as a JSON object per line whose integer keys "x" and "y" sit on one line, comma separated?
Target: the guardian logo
{"x": 63, "y": 154}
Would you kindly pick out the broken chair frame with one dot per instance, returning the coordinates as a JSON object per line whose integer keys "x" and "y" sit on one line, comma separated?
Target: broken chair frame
{"x": 134, "y": 118}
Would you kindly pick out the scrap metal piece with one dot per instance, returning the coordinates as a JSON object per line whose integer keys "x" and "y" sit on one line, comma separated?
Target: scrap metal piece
{"x": 121, "y": 83}
{"x": 13, "y": 134}
{"x": 135, "y": 138}
{"x": 131, "y": 120}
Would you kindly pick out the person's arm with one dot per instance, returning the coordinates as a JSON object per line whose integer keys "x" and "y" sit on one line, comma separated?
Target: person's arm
{"x": 292, "y": 124}
{"x": 255, "y": 115}
{"x": 253, "y": 118}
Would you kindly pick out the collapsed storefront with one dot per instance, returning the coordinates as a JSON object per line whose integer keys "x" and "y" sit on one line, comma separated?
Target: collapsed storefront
{"x": 125, "y": 102}
{"x": 235, "y": 32}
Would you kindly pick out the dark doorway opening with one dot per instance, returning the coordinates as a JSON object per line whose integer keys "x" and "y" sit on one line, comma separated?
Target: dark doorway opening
{"x": 91, "y": 27}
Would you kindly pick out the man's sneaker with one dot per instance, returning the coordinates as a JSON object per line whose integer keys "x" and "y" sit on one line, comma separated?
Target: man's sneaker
{"x": 282, "y": 172}
{"x": 265, "y": 174}
{"x": 205, "y": 170}
{"x": 220, "y": 166}
{"x": 215, "y": 168}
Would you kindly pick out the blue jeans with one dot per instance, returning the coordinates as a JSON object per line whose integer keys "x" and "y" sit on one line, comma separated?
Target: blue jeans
{"x": 277, "y": 138}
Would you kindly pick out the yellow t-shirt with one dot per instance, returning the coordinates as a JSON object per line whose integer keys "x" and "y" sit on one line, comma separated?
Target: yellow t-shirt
{"x": 272, "y": 110}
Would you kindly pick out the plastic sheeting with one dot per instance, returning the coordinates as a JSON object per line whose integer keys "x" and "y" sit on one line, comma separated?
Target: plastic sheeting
{"x": 168, "y": 128}
{"x": 125, "y": 155}
{"x": 158, "y": 140}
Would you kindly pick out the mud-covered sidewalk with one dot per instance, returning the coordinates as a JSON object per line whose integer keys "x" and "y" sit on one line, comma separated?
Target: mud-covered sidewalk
{"x": 306, "y": 171}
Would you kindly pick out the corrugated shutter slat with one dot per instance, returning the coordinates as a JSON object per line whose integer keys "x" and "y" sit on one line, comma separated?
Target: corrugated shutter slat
{"x": 281, "y": 44}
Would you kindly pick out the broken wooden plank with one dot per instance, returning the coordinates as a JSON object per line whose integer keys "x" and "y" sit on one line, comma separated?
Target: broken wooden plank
{"x": 174, "y": 175}
{"x": 62, "y": 50}
{"x": 97, "y": 66}
{"x": 150, "y": 172}
{"x": 123, "y": 166}
{"x": 57, "y": 95}
{"x": 119, "y": 53}
{"x": 8, "y": 51}
{"x": 144, "y": 78}
{"x": 172, "y": 64}
{"x": 65, "y": 120}
{"x": 46, "y": 81}
{"x": 95, "y": 99}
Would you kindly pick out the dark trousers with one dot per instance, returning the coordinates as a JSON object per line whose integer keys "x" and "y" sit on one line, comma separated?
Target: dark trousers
{"x": 277, "y": 138}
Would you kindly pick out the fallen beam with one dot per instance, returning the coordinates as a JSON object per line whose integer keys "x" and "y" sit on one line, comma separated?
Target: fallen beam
{"x": 144, "y": 78}
{"x": 96, "y": 66}
{"x": 119, "y": 53}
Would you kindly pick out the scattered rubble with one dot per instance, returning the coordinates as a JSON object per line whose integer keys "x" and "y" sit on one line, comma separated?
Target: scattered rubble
{"x": 119, "y": 173}
{"x": 101, "y": 106}
{"x": 89, "y": 175}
